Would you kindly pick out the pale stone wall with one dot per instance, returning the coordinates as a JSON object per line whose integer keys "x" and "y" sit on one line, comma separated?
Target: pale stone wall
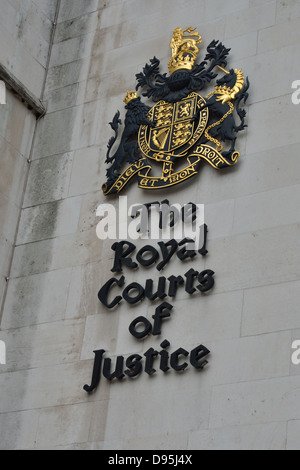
{"x": 16, "y": 131}
{"x": 246, "y": 398}
{"x": 24, "y": 46}
{"x": 26, "y": 27}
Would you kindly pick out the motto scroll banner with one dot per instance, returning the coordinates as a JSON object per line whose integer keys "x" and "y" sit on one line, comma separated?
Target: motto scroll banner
{"x": 142, "y": 168}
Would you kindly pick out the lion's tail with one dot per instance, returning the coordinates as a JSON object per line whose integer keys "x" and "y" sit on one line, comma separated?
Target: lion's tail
{"x": 243, "y": 96}
{"x": 115, "y": 126}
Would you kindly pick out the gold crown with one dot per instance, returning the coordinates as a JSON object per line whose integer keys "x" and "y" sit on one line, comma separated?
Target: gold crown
{"x": 184, "y": 49}
{"x": 130, "y": 95}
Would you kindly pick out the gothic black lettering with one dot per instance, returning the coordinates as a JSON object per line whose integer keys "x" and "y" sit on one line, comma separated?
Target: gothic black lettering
{"x": 133, "y": 299}
{"x": 162, "y": 311}
{"x": 167, "y": 250}
{"x": 122, "y": 256}
{"x": 184, "y": 253}
{"x": 174, "y": 359}
{"x": 148, "y": 261}
{"x": 103, "y": 292}
{"x": 135, "y": 292}
{"x": 134, "y": 363}
{"x": 140, "y": 334}
{"x": 160, "y": 293}
{"x": 197, "y": 355}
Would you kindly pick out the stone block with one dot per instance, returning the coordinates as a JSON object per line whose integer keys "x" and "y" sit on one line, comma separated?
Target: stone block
{"x": 16, "y": 125}
{"x": 191, "y": 412}
{"x": 260, "y": 254}
{"x": 110, "y": 85}
{"x": 47, "y": 7}
{"x": 86, "y": 125}
{"x": 217, "y": 8}
{"x": 55, "y": 133}
{"x": 293, "y": 430}
{"x": 8, "y": 38}
{"x": 49, "y": 179}
{"x": 70, "y": 10}
{"x": 263, "y": 401}
{"x": 66, "y": 129}
{"x": 254, "y": 173}
{"x": 271, "y": 308}
{"x": 101, "y": 331}
{"x": 26, "y": 34}
{"x": 158, "y": 442}
{"x": 33, "y": 258}
{"x": 64, "y": 425}
{"x": 287, "y": 11}
{"x": 67, "y": 74}
{"x": 87, "y": 172}
{"x": 98, "y": 421}
{"x": 13, "y": 173}
{"x": 9, "y": 213}
{"x": 22, "y": 68}
{"x": 266, "y": 83}
{"x": 267, "y": 209}
{"x": 232, "y": 360}
{"x": 89, "y": 205}
{"x": 18, "y": 430}
{"x": 8, "y": 17}
{"x": 71, "y": 50}
{"x": 62, "y": 98}
{"x": 112, "y": 15}
{"x": 72, "y": 28}
{"x": 131, "y": 32}
{"x": 242, "y": 47}
{"x": 214, "y": 317}
{"x": 45, "y": 387}
{"x": 58, "y": 253}
{"x": 36, "y": 45}
{"x": 130, "y": 56}
{"x": 85, "y": 283}
{"x": 270, "y": 436}
{"x": 43, "y": 345}
{"x": 36, "y": 299}
{"x": 219, "y": 218}
{"x": 250, "y": 19}
{"x": 271, "y": 352}
{"x": 278, "y": 36}
{"x": 37, "y": 19}
{"x": 49, "y": 220}
{"x": 90, "y": 90}
{"x": 6, "y": 251}
{"x": 167, "y": 14}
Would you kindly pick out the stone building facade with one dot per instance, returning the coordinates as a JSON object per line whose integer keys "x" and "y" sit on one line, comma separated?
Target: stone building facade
{"x": 67, "y": 65}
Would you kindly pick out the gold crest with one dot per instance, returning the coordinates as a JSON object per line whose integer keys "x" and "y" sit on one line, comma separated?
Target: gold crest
{"x": 181, "y": 125}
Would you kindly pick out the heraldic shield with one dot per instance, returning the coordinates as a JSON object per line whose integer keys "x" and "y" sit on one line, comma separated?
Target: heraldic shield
{"x": 174, "y": 131}
{"x": 181, "y": 126}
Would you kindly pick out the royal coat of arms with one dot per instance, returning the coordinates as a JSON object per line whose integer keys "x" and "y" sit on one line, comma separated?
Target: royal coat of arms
{"x": 182, "y": 128}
